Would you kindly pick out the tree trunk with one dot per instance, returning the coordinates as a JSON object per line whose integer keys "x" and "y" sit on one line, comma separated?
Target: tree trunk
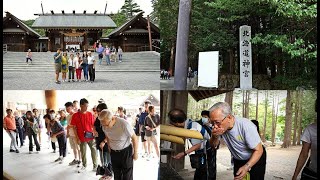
{"x": 171, "y": 66}
{"x": 257, "y": 107}
{"x": 273, "y": 132}
{"x": 288, "y": 123}
{"x": 231, "y": 59}
{"x": 228, "y": 98}
{"x": 265, "y": 117}
{"x": 299, "y": 118}
{"x": 247, "y": 104}
{"x": 295, "y": 126}
{"x": 243, "y": 103}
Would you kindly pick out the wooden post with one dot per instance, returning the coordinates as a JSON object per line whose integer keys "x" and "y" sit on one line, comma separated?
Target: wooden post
{"x": 62, "y": 42}
{"x": 149, "y": 31}
{"x": 51, "y": 99}
{"x": 181, "y": 60}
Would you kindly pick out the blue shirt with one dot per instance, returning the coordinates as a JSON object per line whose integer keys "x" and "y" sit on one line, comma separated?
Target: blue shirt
{"x": 58, "y": 60}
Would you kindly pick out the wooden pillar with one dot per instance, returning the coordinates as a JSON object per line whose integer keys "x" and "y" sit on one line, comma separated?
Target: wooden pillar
{"x": 149, "y": 31}
{"x": 62, "y": 42}
{"x": 175, "y": 99}
{"x": 85, "y": 39}
{"x": 49, "y": 43}
{"x": 51, "y": 99}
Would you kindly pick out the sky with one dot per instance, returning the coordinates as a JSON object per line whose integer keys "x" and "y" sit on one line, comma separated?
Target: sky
{"x": 25, "y": 10}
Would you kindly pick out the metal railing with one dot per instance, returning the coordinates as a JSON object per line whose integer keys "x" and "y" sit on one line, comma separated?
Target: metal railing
{"x": 5, "y": 48}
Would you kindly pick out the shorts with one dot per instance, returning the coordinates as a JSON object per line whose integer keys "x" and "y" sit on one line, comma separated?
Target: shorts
{"x": 57, "y": 67}
{"x": 142, "y": 137}
{"x": 100, "y": 56}
{"x": 73, "y": 142}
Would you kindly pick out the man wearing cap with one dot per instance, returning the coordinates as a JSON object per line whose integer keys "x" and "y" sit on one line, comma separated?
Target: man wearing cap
{"x": 142, "y": 117}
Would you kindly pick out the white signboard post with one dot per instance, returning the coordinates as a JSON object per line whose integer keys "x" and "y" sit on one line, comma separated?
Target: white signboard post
{"x": 245, "y": 58}
{"x": 208, "y": 68}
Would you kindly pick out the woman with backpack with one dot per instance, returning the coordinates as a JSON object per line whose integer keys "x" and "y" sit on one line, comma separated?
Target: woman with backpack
{"x": 32, "y": 129}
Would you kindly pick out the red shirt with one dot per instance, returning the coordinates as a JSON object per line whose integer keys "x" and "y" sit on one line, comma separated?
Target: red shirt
{"x": 83, "y": 122}
{"x": 9, "y": 123}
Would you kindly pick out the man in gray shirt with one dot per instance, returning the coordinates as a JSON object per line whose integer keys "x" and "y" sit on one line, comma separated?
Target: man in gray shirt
{"x": 119, "y": 135}
{"x": 242, "y": 139}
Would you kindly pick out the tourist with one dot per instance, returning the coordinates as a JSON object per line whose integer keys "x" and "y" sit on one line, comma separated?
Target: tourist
{"x": 71, "y": 64}
{"x": 64, "y": 65}
{"x": 85, "y": 65}
{"x": 136, "y": 124}
{"x": 9, "y": 124}
{"x": 63, "y": 119}
{"x": 113, "y": 54}
{"x": 19, "y": 127}
{"x": 78, "y": 66}
{"x": 142, "y": 118}
{"x": 29, "y": 57}
{"x": 91, "y": 63}
{"x": 32, "y": 131}
{"x": 120, "y": 52}
{"x": 57, "y": 64}
{"x": 37, "y": 117}
{"x": 178, "y": 118}
{"x": 152, "y": 121}
{"x": 71, "y": 135}
{"x": 57, "y": 131}
{"x": 309, "y": 144}
{"x": 100, "y": 136}
{"x": 119, "y": 135}
{"x": 83, "y": 123}
{"x": 249, "y": 156}
{"x": 121, "y": 113}
{"x": 76, "y": 107}
{"x": 211, "y": 152}
{"x": 107, "y": 54}
{"x": 49, "y": 133}
{"x": 100, "y": 50}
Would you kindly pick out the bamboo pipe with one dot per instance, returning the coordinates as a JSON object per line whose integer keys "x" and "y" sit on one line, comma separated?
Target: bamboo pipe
{"x": 171, "y": 138}
{"x": 171, "y": 130}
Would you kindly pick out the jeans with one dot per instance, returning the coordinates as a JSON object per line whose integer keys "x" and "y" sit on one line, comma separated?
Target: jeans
{"x": 120, "y": 57}
{"x": 108, "y": 59}
{"x": 92, "y": 72}
{"x": 83, "y": 150}
{"x": 85, "y": 71}
{"x": 34, "y": 135}
{"x": 20, "y": 134}
{"x": 13, "y": 144}
{"x": 105, "y": 158}
{"x": 62, "y": 141}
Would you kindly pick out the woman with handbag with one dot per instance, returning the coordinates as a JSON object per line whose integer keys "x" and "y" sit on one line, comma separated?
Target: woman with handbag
{"x": 64, "y": 65}
{"x": 32, "y": 131}
{"x": 309, "y": 143}
{"x": 152, "y": 121}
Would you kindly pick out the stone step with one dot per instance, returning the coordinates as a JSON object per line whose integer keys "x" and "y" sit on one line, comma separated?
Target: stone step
{"x": 97, "y": 70}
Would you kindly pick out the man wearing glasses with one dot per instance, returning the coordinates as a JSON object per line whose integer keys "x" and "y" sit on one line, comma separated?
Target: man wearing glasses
{"x": 242, "y": 139}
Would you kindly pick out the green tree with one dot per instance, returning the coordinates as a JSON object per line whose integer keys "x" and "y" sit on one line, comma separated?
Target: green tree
{"x": 119, "y": 18}
{"x": 130, "y": 8}
{"x": 30, "y": 22}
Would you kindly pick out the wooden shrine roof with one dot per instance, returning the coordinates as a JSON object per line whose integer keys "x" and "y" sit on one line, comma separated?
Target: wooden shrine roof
{"x": 204, "y": 94}
{"x": 86, "y": 21}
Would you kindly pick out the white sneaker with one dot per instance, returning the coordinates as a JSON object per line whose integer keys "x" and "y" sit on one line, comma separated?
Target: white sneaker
{"x": 83, "y": 169}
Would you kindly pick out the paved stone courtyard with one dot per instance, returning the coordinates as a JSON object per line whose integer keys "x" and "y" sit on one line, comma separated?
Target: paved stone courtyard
{"x": 138, "y": 71}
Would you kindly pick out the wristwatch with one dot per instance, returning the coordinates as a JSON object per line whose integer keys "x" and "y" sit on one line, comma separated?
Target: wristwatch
{"x": 249, "y": 168}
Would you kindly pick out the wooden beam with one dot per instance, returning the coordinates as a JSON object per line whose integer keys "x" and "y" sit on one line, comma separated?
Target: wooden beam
{"x": 149, "y": 31}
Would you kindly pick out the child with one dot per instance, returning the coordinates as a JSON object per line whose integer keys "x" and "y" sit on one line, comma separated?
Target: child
{"x": 120, "y": 54}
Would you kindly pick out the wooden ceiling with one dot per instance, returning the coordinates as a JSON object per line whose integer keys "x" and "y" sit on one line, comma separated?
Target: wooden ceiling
{"x": 204, "y": 94}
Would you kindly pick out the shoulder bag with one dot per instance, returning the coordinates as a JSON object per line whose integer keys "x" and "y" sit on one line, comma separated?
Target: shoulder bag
{"x": 88, "y": 135}
{"x": 307, "y": 173}
{"x": 154, "y": 131}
